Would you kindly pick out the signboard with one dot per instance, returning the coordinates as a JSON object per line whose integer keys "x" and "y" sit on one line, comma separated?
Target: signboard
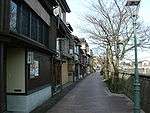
{"x": 34, "y": 69}
{"x": 30, "y": 57}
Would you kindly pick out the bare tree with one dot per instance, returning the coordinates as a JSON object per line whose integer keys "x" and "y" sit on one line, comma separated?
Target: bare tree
{"x": 111, "y": 28}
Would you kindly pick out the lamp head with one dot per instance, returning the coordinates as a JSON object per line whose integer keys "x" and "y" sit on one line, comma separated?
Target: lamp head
{"x": 133, "y": 2}
{"x": 133, "y": 6}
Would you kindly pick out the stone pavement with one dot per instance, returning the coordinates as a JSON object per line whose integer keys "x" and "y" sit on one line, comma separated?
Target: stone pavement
{"x": 92, "y": 96}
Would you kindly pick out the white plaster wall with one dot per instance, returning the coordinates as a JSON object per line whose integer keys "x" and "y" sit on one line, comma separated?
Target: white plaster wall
{"x": 27, "y": 103}
{"x": 37, "y": 7}
{"x": 15, "y": 69}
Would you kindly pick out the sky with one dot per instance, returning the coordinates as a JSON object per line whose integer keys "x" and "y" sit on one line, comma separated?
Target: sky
{"x": 144, "y": 11}
{"x": 81, "y": 7}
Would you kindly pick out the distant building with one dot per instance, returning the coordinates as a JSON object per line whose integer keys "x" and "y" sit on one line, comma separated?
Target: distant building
{"x": 86, "y": 56}
{"x": 143, "y": 67}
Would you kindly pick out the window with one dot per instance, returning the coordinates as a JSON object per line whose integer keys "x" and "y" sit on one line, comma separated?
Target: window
{"x": 58, "y": 45}
{"x": 46, "y": 35}
{"x": 62, "y": 43}
{"x": 34, "y": 27}
{"x": 74, "y": 48}
{"x": 40, "y": 31}
{"x": 77, "y": 49}
{"x": 71, "y": 51}
{"x": 67, "y": 46}
{"x": 24, "y": 21}
{"x": 13, "y": 16}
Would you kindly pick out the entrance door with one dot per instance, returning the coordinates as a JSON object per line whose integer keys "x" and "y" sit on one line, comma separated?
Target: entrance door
{"x": 2, "y": 80}
{"x": 57, "y": 73}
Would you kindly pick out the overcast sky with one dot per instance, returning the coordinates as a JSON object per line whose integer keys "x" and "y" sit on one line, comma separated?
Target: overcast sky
{"x": 80, "y": 7}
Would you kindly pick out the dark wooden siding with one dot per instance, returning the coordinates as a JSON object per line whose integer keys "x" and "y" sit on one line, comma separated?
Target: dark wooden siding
{"x": 44, "y": 72}
{"x": 4, "y": 25}
{"x": 57, "y": 73}
{"x": 53, "y": 33}
{"x": 2, "y": 80}
{"x": 4, "y": 15}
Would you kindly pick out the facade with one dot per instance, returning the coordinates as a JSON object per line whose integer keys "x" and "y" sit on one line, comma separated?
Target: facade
{"x": 27, "y": 50}
{"x": 86, "y": 57}
{"x": 64, "y": 43}
{"x": 77, "y": 58}
{"x": 71, "y": 65}
{"x": 38, "y": 54}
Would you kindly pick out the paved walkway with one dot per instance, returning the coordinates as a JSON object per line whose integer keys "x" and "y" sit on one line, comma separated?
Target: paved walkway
{"x": 91, "y": 96}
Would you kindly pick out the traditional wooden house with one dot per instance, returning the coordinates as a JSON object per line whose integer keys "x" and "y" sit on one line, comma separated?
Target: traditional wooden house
{"x": 77, "y": 58}
{"x": 71, "y": 61}
{"x": 28, "y": 32}
{"x": 64, "y": 48}
{"x": 89, "y": 56}
{"x": 82, "y": 63}
{"x": 85, "y": 57}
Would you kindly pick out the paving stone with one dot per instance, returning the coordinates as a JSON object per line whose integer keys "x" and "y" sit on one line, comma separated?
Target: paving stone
{"x": 92, "y": 96}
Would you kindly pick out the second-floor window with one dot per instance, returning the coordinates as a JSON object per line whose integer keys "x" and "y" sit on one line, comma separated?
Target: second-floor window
{"x": 65, "y": 46}
{"x": 13, "y": 16}
{"x": 58, "y": 45}
{"x": 26, "y": 22}
{"x": 76, "y": 49}
{"x": 62, "y": 45}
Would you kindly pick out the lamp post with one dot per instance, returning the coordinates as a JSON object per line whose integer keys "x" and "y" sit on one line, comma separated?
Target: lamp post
{"x": 136, "y": 97}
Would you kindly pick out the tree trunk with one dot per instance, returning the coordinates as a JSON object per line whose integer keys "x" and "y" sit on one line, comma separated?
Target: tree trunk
{"x": 115, "y": 80}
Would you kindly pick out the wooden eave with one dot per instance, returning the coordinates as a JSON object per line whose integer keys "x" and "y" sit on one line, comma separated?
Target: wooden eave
{"x": 63, "y": 27}
{"x": 14, "y": 38}
{"x": 70, "y": 27}
{"x": 48, "y": 5}
{"x": 64, "y": 6}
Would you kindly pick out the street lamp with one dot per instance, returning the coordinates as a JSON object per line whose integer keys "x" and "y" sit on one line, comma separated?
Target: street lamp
{"x": 134, "y": 4}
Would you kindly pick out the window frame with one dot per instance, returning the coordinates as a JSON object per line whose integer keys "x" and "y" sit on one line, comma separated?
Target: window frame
{"x": 34, "y": 29}
{"x": 12, "y": 14}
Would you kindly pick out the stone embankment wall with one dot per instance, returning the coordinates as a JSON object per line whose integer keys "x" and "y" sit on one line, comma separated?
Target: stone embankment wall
{"x": 145, "y": 90}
